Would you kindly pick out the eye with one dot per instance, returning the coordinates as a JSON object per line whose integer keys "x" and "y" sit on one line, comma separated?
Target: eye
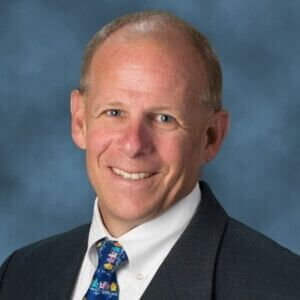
{"x": 113, "y": 113}
{"x": 163, "y": 118}
{"x": 166, "y": 122}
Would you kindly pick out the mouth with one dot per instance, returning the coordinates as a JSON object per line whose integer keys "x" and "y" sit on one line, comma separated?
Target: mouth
{"x": 132, "y": 176}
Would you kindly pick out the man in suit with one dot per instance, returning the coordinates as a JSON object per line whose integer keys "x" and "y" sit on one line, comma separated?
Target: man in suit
{"x": 148, "y": 113}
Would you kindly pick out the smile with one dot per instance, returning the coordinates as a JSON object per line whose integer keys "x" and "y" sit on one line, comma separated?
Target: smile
{"x": 131, "y": 176}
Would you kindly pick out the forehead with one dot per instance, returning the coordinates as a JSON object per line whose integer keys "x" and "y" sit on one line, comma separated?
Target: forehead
{"x": 151, "y": 61}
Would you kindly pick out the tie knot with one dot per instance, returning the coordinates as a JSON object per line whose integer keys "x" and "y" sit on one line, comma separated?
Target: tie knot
{"x": 111, "y": 254}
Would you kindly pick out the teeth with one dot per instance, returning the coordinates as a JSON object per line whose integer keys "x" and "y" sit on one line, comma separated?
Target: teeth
{"x": 132, "y": 176}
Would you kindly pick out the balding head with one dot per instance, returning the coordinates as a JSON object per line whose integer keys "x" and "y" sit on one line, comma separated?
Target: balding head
{"x": 170, "y": 29}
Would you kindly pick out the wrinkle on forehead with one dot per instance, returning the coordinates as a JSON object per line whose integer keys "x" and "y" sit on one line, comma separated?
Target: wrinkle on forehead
{"x": 138, "y": 83}
{"x": 143, "y": 79}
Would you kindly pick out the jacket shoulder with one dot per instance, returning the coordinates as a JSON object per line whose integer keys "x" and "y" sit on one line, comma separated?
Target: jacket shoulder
{"x": 66, "y": 239}
{"x": 252, "y": 266}
{"x": 29, "y": 266}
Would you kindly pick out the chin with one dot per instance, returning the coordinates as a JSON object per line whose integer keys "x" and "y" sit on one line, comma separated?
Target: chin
{"x": 135, "y": 212}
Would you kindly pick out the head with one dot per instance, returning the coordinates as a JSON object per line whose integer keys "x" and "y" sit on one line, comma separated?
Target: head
{"x": 148, "y": 113}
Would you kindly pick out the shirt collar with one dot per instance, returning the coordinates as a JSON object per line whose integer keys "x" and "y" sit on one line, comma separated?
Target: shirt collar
{"x": 149, "y": 234}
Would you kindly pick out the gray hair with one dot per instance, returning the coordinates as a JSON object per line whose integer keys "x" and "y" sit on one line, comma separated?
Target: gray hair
{"x": 147, "y": 22}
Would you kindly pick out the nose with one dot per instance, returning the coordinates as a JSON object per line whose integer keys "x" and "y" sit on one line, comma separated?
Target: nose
{"x": 136, "y": 140}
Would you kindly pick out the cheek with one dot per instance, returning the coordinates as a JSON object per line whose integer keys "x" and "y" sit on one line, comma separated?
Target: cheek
{"x": 98, "y": 141}
{"x": 173, "y": 150}
{"x": 183, "y": 152}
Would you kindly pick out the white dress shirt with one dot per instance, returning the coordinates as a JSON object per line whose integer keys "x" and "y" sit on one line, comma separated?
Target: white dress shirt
{"x": 146, "y": 245}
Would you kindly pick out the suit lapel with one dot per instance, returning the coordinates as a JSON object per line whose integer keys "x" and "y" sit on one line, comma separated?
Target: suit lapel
{"x": 188, "y": 270}
{"x": 67, "y": 262}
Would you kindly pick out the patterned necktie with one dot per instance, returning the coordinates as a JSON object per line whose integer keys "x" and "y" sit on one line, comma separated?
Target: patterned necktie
{"x": 104, "y": 284}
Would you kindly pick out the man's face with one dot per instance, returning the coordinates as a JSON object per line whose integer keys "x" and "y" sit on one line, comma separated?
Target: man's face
{"x": 144, "y": 128}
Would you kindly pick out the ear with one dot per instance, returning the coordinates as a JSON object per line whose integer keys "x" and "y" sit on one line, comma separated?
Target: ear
{"x": 78, "y": 119}
{"x": 216, "y": 132}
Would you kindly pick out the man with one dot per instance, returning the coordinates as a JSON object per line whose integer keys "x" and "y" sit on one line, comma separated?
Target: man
{"x": 148, "y": 114}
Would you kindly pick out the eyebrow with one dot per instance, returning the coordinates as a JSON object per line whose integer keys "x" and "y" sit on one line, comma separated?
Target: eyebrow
{"x": 113, "y": 103}
{"x": 168, "y": 108}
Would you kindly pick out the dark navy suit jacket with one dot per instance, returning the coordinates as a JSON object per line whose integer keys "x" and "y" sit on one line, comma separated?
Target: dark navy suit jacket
{"x": 215, "y": 258}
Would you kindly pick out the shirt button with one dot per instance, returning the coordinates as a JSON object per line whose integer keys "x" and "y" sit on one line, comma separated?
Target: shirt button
{"x": 139, "y": 276}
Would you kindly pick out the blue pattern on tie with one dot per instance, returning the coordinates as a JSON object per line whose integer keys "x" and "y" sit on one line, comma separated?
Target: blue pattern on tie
{"x": 104, "y": 284}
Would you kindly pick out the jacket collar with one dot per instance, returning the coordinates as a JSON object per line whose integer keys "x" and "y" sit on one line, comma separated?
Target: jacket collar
{"x": 68, "y": 258}
{"x": 188, "y": 270}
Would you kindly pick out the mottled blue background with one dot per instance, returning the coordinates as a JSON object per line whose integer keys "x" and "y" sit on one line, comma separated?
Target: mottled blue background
{"x": 43, "y": 185}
